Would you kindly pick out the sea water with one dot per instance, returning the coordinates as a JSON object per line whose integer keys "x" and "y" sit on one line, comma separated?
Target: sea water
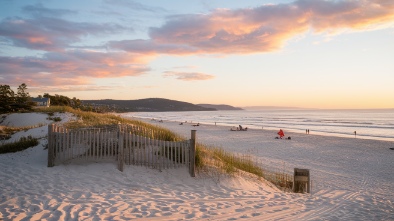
{"x": 375, "y": 124}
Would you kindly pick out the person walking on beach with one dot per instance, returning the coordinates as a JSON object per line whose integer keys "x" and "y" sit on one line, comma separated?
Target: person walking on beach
{"x": 355, "y": 133}
{"x": 308, "y": 131}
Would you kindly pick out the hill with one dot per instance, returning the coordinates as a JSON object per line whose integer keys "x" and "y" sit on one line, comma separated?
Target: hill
{"x": 146, "y": 105}
{"x": 271, "y": 108}
{"x": 220, "y": 106}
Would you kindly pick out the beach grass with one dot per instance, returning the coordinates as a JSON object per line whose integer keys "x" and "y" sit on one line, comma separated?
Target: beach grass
{"x": 22, "y": 144}
{"x": 206, "y": 157}
{"x": 230, "y": 163}
{"x": 6, "y": 131}
{"x": 92, "y": 119}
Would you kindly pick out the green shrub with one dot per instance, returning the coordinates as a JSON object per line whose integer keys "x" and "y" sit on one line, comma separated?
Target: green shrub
{"x": 22, "y": 144}
{"x": 57, "y": 119}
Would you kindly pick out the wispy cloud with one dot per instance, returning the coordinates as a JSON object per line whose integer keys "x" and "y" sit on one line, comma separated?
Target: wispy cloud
{"x": 136, "y": 6}
{"x": 66, "y": 88}
{"x": 151, "y": 47}
{"x": 185, "y": 67}
{"x": 188, "y": 76}
{"x": 38, "y": 10}
{"x": 51, "y": 34}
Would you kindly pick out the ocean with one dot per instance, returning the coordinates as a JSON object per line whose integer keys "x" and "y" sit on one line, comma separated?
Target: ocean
{"x": 376, "y": 124}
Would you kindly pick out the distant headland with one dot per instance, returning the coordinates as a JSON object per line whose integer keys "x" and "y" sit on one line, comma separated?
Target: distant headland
{"x": 154, "y": 105}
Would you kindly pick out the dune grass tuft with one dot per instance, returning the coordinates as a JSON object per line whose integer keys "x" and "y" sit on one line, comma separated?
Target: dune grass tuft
{"x": 231, "y": 163}
{"x": 6, "y": 132}
{"x": 22, "y": 144}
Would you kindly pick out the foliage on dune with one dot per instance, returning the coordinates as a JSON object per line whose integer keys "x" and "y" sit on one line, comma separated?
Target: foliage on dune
{"x": 22, "y": 144}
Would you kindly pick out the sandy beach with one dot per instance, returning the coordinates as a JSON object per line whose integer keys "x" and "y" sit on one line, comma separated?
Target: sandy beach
{"x": 352, "y": 180}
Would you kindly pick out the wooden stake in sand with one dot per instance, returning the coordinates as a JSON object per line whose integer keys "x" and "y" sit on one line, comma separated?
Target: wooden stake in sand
{"x": 193, "y": 153}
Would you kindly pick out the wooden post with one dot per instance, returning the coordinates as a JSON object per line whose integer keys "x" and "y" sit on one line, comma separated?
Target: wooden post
{"x": 127, "y": 148}
{"x": 72, "y": 146}
{"x": 145, "y": 157}
{"x": 193, "y": 154}
{"x": 162, "y": 153}
{"x": 56, "y": 137}
{"x": 120, "y": 150}
{"x": 64, "y": 144}
{"x": 51, "y": 156}
{"x": 300, "y": 180}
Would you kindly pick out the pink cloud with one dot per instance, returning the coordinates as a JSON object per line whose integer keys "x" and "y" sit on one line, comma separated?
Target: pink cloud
{"x": 151, "y": 47}
{"x": 188, "y": 76}
{"x": 261, "y": 29}
{"x": 70, "y": 68}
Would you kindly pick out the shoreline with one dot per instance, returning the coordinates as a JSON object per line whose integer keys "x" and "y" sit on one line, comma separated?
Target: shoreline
{"x": 270, "y": 129}
{"x": 369, "y": 125}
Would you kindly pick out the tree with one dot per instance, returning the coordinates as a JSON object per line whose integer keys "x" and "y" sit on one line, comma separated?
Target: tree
{"x": 76, "y": 103}
{"x": 7, "y": 98}
{"x": 22, "y": 95}
{"x": 58, "y": 100}
{"x": 22, "y": 98}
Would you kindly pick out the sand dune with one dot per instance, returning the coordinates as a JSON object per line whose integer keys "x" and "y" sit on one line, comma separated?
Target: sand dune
{"x": 358, "y": 188}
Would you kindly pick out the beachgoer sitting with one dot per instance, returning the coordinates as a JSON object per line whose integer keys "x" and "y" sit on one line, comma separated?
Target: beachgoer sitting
{"x": 281, "y": 133}
{"x": 181, "y": 123}
{"x": 243, "y": 129}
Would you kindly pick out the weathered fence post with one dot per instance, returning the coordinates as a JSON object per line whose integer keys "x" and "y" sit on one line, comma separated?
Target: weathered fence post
{"x": 51, "y": 155}
{"x": 300, "y": 180}
{"x": 120, "y": 149}
{"x": 192, "y": 166}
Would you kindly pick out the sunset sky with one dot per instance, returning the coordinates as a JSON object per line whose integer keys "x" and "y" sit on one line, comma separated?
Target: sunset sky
{"x": 306, "y": 53}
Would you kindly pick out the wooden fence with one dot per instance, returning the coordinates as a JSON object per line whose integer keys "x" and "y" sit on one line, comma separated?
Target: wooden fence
{"x": 125, "y": 144}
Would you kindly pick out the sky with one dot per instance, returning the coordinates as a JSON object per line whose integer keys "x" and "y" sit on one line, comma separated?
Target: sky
{"x": 307, "y": 53}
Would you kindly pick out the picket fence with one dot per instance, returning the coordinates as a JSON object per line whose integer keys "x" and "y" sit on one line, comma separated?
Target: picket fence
{"x": 126, "y": 144}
